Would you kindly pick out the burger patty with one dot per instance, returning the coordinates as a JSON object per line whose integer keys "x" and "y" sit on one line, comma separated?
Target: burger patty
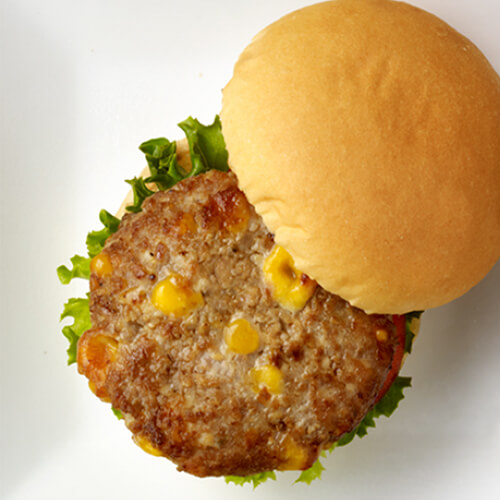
{"x": 210, "y": 366}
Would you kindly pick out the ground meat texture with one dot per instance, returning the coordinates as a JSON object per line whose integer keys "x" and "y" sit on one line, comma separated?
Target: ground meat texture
{"x": 181, "y": 389}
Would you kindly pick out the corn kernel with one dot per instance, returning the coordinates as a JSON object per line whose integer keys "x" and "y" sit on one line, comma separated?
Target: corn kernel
{"x": 241, "y": 337}
{"x": 101, "y": 265}
{"x": 146, "y": 445}
{"x": 290, "y": 287}
{"x": 174, "y": 296}
{"x": 100, "y": 393}
{"x": 381, "y": 335}
{"x": 99, "y": 351}
{"x": 187, "y": 224}
{"x": 414, "y": 328}
{"x": 94, "y": 355}
{"x": 239, "y": 216}
{"x": 295, "y": 457}
{"x": 267, "y": 376}
{"x": 415, "y": 325}
{"x": 93, "y": 387}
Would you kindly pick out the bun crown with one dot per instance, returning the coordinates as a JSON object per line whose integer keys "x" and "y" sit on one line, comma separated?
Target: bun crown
{"x": 367, "y": 135}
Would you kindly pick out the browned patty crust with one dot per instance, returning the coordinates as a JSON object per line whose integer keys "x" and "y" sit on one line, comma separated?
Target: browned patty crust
{"x": 183, "y": 392}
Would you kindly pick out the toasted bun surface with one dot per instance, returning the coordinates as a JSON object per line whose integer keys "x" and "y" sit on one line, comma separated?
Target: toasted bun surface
{"x": 367, "y": 135}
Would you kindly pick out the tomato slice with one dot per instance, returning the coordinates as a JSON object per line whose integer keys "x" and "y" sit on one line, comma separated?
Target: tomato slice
{"x": 400, "y": 322}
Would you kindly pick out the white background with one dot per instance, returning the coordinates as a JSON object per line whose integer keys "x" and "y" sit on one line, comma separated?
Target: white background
{"x": 82, "y": 85}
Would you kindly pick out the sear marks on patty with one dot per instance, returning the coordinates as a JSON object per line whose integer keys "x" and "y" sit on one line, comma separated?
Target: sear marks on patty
{"x": 206, "y": 366}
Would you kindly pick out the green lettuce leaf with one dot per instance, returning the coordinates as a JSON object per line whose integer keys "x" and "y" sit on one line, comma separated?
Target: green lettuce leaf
{"x": 161, "y": 155}
{"x": 206, "y": 145}
{"x": 314, "y": 472}
{"x": 410, "y": 336}
{"x": 96, "y": 239}
{"x": 207, "y": 150}
{"x": 81, "y": 269}
{"x": 118, "y": 413}
{"x": 95, "y": 243}
{"x": 386, "y": 407}
{"x": 255, "y": 479}
{"x": 78, "y": 309}
{"x": 141, "y": 192}
{"x": 156, "y": 151}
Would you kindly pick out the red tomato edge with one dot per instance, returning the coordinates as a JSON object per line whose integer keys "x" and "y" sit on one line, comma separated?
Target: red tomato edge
{"x": 400, "y": 322}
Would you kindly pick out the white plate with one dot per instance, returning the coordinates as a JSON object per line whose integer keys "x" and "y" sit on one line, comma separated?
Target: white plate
{"x": 83, "y": 83}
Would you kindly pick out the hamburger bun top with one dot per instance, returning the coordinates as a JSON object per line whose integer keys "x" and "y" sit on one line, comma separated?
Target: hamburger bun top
{"x": 367, "y": 135}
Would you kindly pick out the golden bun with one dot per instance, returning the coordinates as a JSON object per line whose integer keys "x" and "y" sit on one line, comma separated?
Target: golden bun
{"x": 367, "y": 135}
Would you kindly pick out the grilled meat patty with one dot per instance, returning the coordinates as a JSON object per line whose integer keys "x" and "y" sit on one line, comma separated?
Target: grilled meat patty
{"x": 220, "y": 354}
